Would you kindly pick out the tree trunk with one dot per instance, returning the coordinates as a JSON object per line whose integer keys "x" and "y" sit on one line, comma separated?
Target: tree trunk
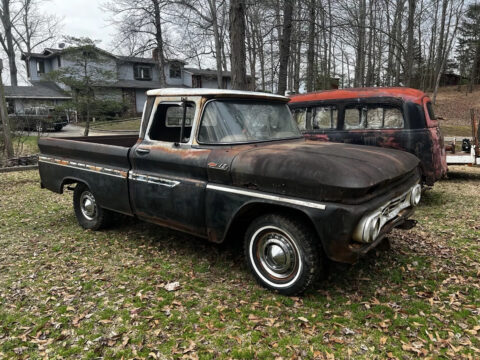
{"x": 218, "y": 46}
{"x": 311, "y": 44}
{"x": 237, "y": 44}
{"x": 7, "y": 136}
{"x": 410, "y": 43}
{"x": 159, "y": 43}
{"x": 360, "y": 51}
{"x": 474, "y": 72}
{"x": 285, "y": 46}
{"x": 441, "y": 42}
{"x": 8, "y": 42}
{"x": 448, "y": 46}
{"x": 252, "y": 51}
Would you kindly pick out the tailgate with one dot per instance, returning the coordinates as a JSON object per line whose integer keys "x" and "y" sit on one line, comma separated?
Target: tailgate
{"x": 103, "y": 168}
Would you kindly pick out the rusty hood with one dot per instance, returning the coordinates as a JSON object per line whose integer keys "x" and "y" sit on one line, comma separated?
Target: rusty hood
{"x": 321, "y": 171}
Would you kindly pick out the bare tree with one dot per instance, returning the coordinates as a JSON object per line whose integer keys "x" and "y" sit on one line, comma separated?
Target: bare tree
{"x": 6, "y": 39}
{"x": 33, "y": 28}
{"x": 455, "y": 13}
{"x": 237, "y": 44}
{"x": 141, "y": 20}
{"x": 285, "y": 46}
{"x": 360, "y": 50}
{"x": 207, "y": 12}
{"x": 7, "y": 137}
{"x": 311, "y": 44}
{"x": 410, "y": 43}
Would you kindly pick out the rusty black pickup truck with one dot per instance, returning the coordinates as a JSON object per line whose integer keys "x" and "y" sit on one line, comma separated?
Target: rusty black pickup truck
{"x": 219, "y": 163}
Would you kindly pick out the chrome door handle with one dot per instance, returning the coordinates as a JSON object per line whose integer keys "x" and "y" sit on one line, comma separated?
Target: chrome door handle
{"x": 142, "y": 151}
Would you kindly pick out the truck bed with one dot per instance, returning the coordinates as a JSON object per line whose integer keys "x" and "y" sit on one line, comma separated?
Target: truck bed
{"x": 116, "y": 140}
{"x": 102, "y": 162}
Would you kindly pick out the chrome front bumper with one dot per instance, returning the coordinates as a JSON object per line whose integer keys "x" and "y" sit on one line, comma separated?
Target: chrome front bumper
{"x": 370, "y": 226}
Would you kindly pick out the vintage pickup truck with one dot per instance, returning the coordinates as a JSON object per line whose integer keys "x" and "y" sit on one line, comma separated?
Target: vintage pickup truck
{"x": 396, "y": 118}
{"x": 219, "y": 163}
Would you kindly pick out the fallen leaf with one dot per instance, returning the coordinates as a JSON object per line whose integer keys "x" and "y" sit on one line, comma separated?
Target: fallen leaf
{"x": 173, "y": 286}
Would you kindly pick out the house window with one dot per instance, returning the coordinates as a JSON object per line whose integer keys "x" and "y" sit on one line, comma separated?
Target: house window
{"x": 59, "y": 61}
{"x": 196, "y": 81}
{"x": 142, "y": 72}
{"x": 40, "y": 67}
{"x": 175, "y": 70}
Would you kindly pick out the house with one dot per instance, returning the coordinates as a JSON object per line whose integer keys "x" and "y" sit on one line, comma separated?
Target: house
{"x": 43, "y": 94}
{"x": 132, "y": 76}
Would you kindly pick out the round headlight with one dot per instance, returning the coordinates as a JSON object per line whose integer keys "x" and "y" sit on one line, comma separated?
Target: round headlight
{"x": 372, "y": 229}
{"x": 416, "y": 195}
{"x": 376, "y": 228}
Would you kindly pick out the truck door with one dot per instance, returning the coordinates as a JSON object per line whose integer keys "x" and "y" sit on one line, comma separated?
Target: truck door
{"x": 168, "y": 177}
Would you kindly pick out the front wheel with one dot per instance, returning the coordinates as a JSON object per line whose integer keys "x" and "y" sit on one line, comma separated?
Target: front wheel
{"x": 40, "y": 127}
{"x": 89, "y": 214}
{"x": 284, "y": 254}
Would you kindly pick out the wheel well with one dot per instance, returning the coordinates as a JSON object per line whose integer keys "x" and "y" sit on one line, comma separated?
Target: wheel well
{"x": 248, "y": 213}
{"x": 69, "y": 181}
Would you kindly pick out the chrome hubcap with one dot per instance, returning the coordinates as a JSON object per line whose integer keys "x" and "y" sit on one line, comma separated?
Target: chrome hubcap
{"x": 277, "y": 255}
{"x": 88, "y": 205}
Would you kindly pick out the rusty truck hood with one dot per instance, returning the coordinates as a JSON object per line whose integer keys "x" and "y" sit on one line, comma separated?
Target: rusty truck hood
{"x": 321, "y": 171}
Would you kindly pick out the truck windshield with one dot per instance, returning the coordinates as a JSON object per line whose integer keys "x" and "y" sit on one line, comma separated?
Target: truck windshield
{"x": 235, "y": 121}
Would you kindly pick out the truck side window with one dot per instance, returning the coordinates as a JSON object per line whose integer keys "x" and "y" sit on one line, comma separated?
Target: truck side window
{"x": 392, "y": 118}
{"x": 355, "y": 118}
{"x": 167, "y": 122}
{"x": 325, "y": 117}
{"x": 300, "y": 117}
{"x": 373, "y": 117}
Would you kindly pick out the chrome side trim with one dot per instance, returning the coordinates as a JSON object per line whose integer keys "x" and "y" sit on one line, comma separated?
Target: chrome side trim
{"x": 83, "y": 166}
{"x": 153, "y": 180}
{"x": 265, "y": 196}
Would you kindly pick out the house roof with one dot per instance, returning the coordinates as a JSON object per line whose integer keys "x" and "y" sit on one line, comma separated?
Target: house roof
{"x": 39, "y": 90}
{"x": 404, "y": 93}
{"x": 214, "y": 93}
{"x": 134, "y": 84}
{"x": 207, "y": 72}
{"x": 137, "y": 59}
{"x": 52, "y": 52}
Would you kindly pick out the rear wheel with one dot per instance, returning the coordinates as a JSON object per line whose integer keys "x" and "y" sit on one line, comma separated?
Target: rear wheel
{"x": 283, "y": 253}
{"x": 40, "y": 127}
{"x": 89, "y": 214}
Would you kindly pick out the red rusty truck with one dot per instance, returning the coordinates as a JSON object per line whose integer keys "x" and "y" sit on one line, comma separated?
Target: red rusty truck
{"x": 398, "y": 118}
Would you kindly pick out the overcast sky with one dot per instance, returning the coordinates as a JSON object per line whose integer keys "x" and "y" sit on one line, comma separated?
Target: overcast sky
{"x": 82, "y": 18}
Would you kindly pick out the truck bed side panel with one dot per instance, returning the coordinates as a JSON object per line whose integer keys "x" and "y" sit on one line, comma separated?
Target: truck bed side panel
{"x": 103, "y": 168}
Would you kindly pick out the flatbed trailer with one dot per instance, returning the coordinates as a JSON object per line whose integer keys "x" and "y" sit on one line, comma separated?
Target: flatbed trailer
{"x": 470, "y": 157}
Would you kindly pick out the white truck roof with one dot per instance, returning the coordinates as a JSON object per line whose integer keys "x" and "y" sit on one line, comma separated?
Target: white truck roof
{"x": 213, "y": 92}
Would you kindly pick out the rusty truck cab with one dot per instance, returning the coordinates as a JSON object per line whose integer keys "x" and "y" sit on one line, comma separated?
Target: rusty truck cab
{"x": 399, "y": 118}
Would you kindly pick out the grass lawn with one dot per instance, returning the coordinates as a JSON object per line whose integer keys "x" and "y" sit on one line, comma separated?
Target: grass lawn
{"x": 24, "y": 145}
{"x": 460, "y": 131}
{"x": 132, "y": 124}
{"x": 70, "y": 293}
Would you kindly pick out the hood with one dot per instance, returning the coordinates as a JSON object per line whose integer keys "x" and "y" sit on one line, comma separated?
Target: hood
{"x": 321, "y": 171}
